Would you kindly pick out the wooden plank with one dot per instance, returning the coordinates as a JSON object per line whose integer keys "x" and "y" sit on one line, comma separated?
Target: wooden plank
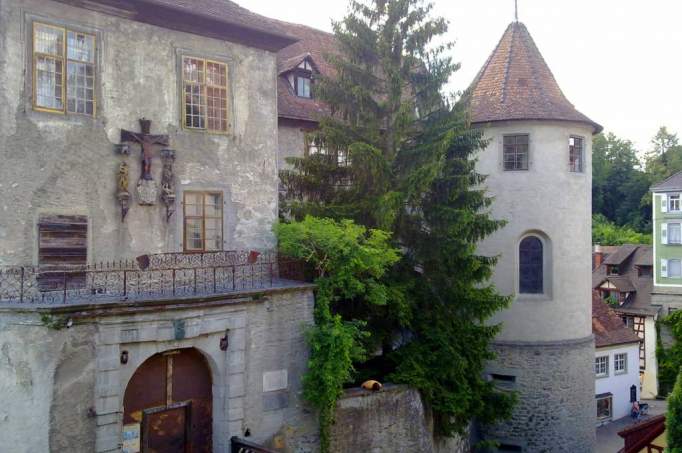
{"x": 62, "y": 219}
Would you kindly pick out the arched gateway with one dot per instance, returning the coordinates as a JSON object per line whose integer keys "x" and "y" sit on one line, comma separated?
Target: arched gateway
{"x": 167, "y": 404}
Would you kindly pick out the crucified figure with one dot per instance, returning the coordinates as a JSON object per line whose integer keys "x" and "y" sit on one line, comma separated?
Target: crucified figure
{"x": 147, "y": 142}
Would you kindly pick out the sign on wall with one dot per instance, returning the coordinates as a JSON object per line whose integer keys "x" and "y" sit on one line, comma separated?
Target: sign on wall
{"x": 131, "y": 438}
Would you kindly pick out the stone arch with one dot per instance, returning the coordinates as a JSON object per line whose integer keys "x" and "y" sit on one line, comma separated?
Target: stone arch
{"x": 529, "y": 245}
{"x": 169, "y": 402}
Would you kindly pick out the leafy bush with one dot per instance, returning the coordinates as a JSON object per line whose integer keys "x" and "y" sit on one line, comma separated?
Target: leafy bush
{"x": 605, "y": 232}
{"x": 673, "y": 420}
{"x": 348, "y": 262}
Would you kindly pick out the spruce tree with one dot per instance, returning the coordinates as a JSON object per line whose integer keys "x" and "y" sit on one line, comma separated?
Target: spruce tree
{"x": 400, "y": 156}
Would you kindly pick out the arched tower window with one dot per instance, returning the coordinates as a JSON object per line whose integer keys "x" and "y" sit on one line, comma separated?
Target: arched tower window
{"x": 530, "y": 265}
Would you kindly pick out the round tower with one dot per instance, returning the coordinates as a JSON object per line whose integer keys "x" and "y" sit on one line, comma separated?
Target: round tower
{"x": 538, "y": 163}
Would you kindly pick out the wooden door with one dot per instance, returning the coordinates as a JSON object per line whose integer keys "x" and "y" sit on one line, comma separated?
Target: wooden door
{"x": 170, "y": 397}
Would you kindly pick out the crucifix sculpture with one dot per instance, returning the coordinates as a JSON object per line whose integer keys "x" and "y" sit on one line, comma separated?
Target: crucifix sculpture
{"x": 146, "y": 188}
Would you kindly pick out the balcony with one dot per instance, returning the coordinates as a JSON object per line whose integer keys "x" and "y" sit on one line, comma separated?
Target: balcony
{"x": 166, "y": 276}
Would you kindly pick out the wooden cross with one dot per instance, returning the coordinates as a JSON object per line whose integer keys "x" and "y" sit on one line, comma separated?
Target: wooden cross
{"x": 147, "y": 141}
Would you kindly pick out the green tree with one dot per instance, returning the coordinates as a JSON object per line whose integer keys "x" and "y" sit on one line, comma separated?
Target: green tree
{"x": 618, "y": 183}
{"x": 605, "y": 232}
{"x": 348, "y": 262}
{"x": 673, "y": 419}
{"x": 410, "y": 171}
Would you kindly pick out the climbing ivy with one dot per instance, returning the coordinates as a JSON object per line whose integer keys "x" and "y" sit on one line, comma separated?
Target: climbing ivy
{"x": 348, "y": 262}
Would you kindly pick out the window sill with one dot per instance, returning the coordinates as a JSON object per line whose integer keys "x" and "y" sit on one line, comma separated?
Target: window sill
{"x": 602, "y": 376}
{"x": 620, "y": 373}
{"x": 528, "y": 297}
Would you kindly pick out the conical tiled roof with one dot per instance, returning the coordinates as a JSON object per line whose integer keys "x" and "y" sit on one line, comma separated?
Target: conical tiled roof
{"x": 516, "y": 84}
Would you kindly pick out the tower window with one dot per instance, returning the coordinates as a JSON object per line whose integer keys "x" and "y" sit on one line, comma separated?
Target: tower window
{"x": 575, "y": 154}
{"x": 530, "y": 265}
{"x": 515, "y": 152}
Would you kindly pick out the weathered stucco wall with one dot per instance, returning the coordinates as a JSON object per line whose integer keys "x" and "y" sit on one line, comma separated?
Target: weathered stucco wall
{"x": 66, "y": 163}
{"x": 393, "y": 420}
{"x": 63, "y": 389}
{"x": 555, "y": 202}
{"x": 291, "y": 142}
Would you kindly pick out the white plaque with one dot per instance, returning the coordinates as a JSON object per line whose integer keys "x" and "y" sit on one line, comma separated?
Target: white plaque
{"x": 274, "y": 380}
{"x": 131, "y": 438}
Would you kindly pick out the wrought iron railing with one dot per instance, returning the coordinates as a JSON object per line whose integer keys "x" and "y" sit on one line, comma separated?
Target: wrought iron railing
{"x": 239, "y": 445}
{"x": 171, "y": 275}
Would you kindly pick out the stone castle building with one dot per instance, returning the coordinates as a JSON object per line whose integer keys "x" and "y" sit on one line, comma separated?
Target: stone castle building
{"x": 538, "y": 164}
{"x": 198, "y": 339}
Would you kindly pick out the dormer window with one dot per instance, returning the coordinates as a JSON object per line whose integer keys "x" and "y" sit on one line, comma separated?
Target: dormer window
{"x": 301, "y": 79}
{"x": 612, "y": 269}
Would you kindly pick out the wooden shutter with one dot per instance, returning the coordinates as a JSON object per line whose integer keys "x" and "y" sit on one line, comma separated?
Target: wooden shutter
{"x": 664, "y": 202}
{"x": 62, "y": 240}
{"x": 664, "y": 233}
{"x": 664, "y": 268}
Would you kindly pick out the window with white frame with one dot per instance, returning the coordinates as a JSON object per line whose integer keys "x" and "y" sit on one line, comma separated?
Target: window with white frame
{"x": 674, "y": 233}
{"x": 674, "y": 269}
{"x": 674, "y": 202}
{"x": 620, "y": 363}
{"x": 601, "y": 366}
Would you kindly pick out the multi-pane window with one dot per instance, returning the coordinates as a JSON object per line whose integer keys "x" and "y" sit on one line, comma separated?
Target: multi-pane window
{"x": 674, "y": 202}
{"x": 601, "y": 366}
{"x": 303, "y": 79}
{"x": 204, "y": 98}
{"x": 203, "y": 221}
{"x": 63, "y": 70}
{"x": 515, "y": 152}
{"x": 674, "y": 269}
{"x": 530, "y": 266}
{"x": 674, "y": 231}
{"x": 575, "y": 154}
{"x": 620, "y": 363}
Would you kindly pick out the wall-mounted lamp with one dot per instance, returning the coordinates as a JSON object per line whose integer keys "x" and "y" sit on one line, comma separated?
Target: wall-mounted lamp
{"x": 124, "y": 357}
{"x": 224, "y": 341}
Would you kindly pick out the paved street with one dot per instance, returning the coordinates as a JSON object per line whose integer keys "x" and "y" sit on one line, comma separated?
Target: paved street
{"x": 608, "y": 440}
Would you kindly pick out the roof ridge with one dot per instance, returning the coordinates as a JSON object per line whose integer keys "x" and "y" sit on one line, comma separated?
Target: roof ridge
{"x": 507, "y": 65}
{"x": 666, "y": 179}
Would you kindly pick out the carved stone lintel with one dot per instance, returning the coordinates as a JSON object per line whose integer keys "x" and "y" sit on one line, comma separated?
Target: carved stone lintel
{"x": 147, "y": 192}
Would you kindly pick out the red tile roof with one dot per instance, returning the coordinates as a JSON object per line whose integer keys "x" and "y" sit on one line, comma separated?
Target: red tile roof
{"x": 608, "y": 328}
{"x": 516, "y": 84}
{"x": 315, "y": 44}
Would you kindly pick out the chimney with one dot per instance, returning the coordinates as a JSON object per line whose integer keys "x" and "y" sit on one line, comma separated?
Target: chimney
{"x": 597, "y": 256}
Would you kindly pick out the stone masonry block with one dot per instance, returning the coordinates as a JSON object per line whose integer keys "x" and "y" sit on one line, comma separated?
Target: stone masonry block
{"x": 107, "y": 383}
{"x": 236, "y": 385}
{"x": 107, "y": 405}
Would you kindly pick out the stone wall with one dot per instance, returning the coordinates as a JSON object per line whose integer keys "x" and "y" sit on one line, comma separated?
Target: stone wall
{"x": 63, "y": 389}
{"x": 66, "y": 164}
{"x": 393, "y": 420}
{"x": 556, "y": 408}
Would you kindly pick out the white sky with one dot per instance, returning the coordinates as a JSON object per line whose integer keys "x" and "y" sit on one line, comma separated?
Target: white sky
{"x": 617, "y": 61}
